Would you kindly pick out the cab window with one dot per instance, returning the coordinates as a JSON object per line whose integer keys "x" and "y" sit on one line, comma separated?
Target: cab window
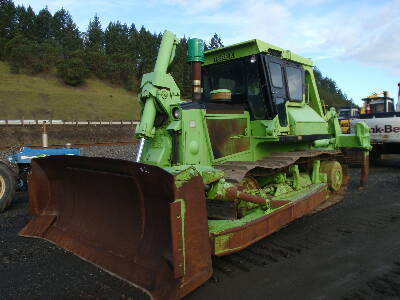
{"x": 276, "y": 74}
{"x": 295, "y": 83}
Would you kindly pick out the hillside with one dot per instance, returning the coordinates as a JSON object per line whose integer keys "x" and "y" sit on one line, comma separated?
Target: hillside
{"x": 44, "y": 96}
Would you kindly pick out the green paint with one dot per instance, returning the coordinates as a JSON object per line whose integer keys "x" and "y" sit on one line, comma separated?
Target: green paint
{"x": 184, "y": 175}
{"x": 306, "y": 121}
{"x": 208, "y": 173}
{"x": 250, "y": 48}
{"x": 183, "y": 216}
{"x": 338, "y": 178}
{"x": 146, "y": 126}
{"x": 284, "y": 188}
{"x": 360, "y": 139}
{"x": 159, "y": 95}
{"x": 219, "y": 226}
{"x": 199, "y": 130}
{"x": 294, "y": 171}
{"x": 220, "y": 91}
{"x": 296, "y": 195}
{"x": 195, "y": 50}
{"x": 315, "y": 177}
{"x": 275, "y": 178}
{"x": 219, "y": 189}
{"x": 222, "y": 243}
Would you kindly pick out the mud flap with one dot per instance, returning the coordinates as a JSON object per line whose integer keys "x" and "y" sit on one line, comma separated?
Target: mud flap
{"x": 135, "y": 221}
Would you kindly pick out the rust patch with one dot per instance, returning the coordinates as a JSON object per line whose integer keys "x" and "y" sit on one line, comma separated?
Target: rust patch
{"x": 224, "y": 136}
{"x": 109, "y": 213}
{"x": 177, "y": 239}
{"x": 364, "y": 170}
{"x": 243, "y": 236}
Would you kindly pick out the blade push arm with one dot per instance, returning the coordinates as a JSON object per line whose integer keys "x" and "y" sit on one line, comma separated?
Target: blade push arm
{"x": 153, "y": 83}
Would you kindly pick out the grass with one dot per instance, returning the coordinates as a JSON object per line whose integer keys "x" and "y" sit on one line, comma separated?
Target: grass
{"x": 44, "y": 96}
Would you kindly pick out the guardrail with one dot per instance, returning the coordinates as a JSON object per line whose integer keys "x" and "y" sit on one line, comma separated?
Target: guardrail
{"x": 63, "y": 122}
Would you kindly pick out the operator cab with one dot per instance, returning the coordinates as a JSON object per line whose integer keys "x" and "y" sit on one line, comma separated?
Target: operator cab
{"x": 260, "y": 84}
{"x": 379, "y": 105}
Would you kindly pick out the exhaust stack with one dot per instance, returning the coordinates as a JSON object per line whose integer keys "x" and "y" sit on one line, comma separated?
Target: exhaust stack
{"x": 195, "y": 57}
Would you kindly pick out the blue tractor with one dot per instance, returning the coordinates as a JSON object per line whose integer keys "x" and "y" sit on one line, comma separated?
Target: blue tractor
{"x": 14, "y": 170}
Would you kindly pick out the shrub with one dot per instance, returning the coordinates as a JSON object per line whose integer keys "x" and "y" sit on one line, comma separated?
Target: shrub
{"x": 73, "y": 71}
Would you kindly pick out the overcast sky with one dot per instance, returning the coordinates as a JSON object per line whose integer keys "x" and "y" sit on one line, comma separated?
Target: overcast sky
{"x": 356, "y": 43}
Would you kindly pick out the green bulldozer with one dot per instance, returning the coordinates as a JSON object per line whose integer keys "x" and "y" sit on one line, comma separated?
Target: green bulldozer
{"x": 253, "y": 151}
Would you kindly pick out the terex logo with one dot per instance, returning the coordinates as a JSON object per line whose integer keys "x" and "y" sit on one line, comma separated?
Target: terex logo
{"x": 385, "y": 129}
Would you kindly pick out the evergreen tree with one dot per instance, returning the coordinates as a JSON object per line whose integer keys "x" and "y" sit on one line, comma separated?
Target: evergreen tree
{"x": 97, "y": 63}
{"x": 120, "y": 54}
{"x": 94, "y": 38}
{"x": 26, "y": 55}
{"x": 121, "y": 70}
{"x": 215, "y": 42}
{"x": 133, "y": 36}
{"x": 7, "y": 19}
{"x": 181, "y": 71}
{"x": 148, "y": 45}
{"x": 25, "y": 18}
{"x": 329, "y": 92}
{"x": 19, "y": 53}
{"x": 7, "y": 23}
{"x": 43, "y": 25}
{"x": 73, "y": 71}
{"x": 65, "y": 32}
{"x": 116, "y": 38}
{"x": 47, "y": 55}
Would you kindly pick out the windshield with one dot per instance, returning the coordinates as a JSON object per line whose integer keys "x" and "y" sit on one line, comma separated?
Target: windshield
{"x": 344, "y": 113}
{"x": 376, "y": 108}
{"x": 242, "y": 78}
{"x": 225, "y": 76}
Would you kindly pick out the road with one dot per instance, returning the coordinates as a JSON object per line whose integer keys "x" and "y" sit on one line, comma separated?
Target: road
{"x": 349, "y": 251}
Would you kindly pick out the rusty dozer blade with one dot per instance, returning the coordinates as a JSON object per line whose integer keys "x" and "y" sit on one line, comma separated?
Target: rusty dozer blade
{"x": 136, "y": 221}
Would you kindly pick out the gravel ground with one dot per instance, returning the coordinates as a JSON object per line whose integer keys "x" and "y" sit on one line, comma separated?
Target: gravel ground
{"x": 127, "y": 152}
{"x": 349, "y": 251}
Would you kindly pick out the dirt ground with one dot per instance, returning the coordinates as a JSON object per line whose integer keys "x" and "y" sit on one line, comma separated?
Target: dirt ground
{"x": 349, "y": 251}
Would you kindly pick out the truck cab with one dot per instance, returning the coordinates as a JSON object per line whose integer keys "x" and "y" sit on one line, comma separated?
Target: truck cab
{"x": 345, "y": 116}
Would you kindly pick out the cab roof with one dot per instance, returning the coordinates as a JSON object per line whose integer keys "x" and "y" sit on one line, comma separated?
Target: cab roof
{"x": 250, "y": 48}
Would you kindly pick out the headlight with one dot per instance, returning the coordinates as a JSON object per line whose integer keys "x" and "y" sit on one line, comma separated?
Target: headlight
{"x": 176, "y": 113}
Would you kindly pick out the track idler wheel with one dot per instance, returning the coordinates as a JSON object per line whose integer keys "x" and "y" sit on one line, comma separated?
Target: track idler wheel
{"x": 334, "y": 172}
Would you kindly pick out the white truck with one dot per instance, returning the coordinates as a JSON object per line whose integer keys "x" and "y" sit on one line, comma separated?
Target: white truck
{"x": 384, "y": 122}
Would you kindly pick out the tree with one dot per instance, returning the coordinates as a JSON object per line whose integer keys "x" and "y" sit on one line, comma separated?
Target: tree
{"x": 7, "y": 19}
{"x": 116, "y": 38}
{"x": 133, "y": 36}
{"x": 18, "y": 52}
{"x": 121, "y": 70}
{"x": 47, "y": 55}
{"x": 29, "y": 56}
{"x": 181, "y": 71}
{"x": 65, "y": 32}
{"x": 329, "y": 92}
{"x": 43, "y": 25}
{"x": 7, "y": 23}
{"x": 94, "y": 37}
{"x": 148, "y": 45}
{"x": 25, "y": 21}
{"x": 73, "y": 71}
{"x": 215, "y": 42}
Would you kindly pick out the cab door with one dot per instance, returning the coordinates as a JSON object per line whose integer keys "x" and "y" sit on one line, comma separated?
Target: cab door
{"x": 277, "y": 85}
